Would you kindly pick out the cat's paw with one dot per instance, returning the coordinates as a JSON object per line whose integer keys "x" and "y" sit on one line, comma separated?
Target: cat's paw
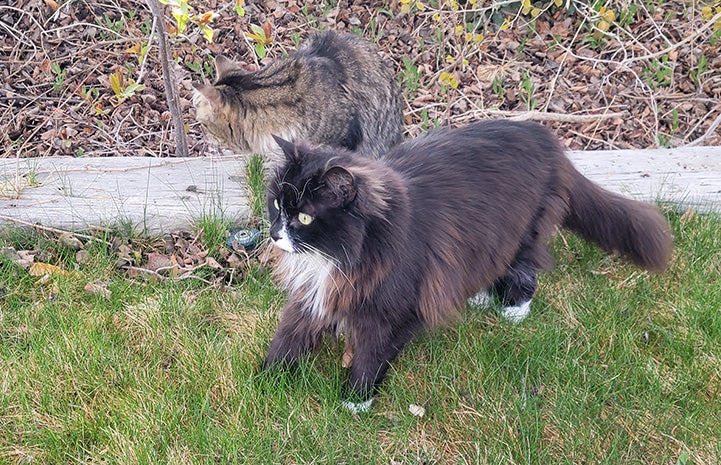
{"x": 518, "y": 313}
{"x": 358, "y": 407}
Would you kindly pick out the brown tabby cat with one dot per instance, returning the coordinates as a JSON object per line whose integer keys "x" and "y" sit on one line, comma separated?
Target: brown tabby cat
{"x": 333, "y": 91}
{"x": 386, "y": 248}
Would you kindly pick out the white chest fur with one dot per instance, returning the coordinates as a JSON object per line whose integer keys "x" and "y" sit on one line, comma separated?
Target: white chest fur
{"x": 308, "y": 276}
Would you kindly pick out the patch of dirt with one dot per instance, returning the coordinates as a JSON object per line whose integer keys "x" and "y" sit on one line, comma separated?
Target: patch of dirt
{"x": 652, "y": 80}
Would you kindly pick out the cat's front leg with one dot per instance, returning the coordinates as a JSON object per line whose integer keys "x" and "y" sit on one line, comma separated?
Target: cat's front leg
{"x": 373, "y": 353}
{"x": 298, "y": 334}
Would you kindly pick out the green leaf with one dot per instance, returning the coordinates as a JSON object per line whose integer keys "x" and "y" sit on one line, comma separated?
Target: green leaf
{"x": 260, "y": 50}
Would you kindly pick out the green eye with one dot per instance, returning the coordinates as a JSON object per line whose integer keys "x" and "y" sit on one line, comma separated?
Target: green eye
{"x": 276, "y": 204}
{"x": 305, "y": 219}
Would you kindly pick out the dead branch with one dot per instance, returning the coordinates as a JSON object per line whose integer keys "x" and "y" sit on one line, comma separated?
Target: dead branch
{"x": 181, "y": 144}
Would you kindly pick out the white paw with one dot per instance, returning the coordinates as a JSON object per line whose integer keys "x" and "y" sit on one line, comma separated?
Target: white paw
{"x": 360, "y": 407}
{"x": 517, "y": 314}
{"x": 481, "y": 300}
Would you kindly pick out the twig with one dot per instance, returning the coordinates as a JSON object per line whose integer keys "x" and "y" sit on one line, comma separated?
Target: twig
{"x": 673, "y": 47}
{"x": 181, "y": 143}
{"x": 40, "y": 227}
{"x": 711, "y": 129}
{"x": 141, "y": 73}
{"x": 559, "y": 117}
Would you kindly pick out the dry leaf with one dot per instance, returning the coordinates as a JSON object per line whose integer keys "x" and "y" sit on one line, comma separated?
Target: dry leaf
{"x": 156, "y": 261}
{"x": 46, "y": 269}
{"x": 213, "y": 263}
{"x": 52, "y": 4}
{"x": 70, "y": 241}
{"x": 98, "y": 288}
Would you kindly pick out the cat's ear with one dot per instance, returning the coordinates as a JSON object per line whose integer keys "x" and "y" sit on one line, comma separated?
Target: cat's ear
{"x": 339, "y": 185}
{"x": 224, "y": 66}
{"x": 290, "y": 150}
{"x": 211, "y": 94}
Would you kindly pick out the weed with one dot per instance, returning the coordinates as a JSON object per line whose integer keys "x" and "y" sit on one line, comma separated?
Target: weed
{"x": 658, "y": 73}
{"x": 701, "y": 67}
{"x": 214, "y": 230}
{"x": 255, "y": 172}
{"x": 60, "y": 77}
{"x": 411, "y": 78}
{"x": 498, "y": 88}
{"x": 263, "y": 37}
{"x": 123, "y": 88}
{"x": 528, "y": 88}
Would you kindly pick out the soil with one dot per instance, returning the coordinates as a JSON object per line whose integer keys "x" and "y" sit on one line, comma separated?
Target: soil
{"x": 652, "y": 79}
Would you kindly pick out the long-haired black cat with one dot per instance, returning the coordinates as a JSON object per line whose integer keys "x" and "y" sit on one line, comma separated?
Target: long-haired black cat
{"x": 382, "y": 249}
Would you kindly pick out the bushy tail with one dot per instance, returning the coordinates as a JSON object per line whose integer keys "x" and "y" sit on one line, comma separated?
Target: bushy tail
{"x": 635, "y": 230}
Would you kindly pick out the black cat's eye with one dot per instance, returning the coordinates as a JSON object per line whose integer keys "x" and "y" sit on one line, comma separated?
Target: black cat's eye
{"x": 305, "y": 219}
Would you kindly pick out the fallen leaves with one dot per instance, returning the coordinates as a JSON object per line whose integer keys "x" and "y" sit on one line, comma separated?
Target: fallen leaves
{"x": 178, "y": 256}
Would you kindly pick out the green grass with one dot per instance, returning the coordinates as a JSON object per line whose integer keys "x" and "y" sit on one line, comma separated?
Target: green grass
{"x": 613, "y": 366}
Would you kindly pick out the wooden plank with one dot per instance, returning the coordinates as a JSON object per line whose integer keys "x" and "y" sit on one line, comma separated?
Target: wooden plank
{"x": 154, "y": 195}
{"x": 158, "y": 195}
{"x": 683, "y": 177}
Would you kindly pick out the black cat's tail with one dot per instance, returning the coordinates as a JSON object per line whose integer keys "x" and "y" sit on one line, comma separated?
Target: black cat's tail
{"x": 635, "y": 230}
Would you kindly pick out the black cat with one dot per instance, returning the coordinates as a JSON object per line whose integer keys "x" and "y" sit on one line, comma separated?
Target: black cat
{"x": 382, "y": 249}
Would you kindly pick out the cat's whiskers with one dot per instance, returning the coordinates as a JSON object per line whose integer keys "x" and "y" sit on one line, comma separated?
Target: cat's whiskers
{"x": 283, "y": 183}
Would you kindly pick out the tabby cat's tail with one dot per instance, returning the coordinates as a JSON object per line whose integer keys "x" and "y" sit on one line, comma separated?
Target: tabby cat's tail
{"x": 635, "y": 230}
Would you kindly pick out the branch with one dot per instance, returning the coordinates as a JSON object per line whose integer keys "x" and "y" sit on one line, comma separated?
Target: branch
{"x": 711, "y": 129}
{"x": 57, "y": 231}
{"x": 545, "y": 116}
{"x": 181, "y": 143}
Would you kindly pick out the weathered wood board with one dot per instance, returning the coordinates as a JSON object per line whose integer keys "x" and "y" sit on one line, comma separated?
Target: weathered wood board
{"x": 157, "y": 195}
{"x": 154, "y": 195}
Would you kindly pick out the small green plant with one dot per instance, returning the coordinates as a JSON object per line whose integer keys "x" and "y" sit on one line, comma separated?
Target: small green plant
{"x": 255, "y": 173}
{"x": 194, "y": 66}
{"x": 123, "y": 88}
{"x": 658, "y": 73}
{"x": 114, "y": 25}
{"x": 411, "y": 78}
{"x": 528, "y": 88}
{"x": 701, "y": 67}
{"x": 91, "y": 96}
{"x": 263, "y": 36}
{"x": 60, "y": 77}
{"x": 181, "y": 11}
{"x": 214, "y": 230}
{"x": 498, "y": 88}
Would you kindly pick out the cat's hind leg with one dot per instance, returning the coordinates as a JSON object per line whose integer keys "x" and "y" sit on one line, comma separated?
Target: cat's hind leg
{"x": 515, "y": 289}
{"x": 481, "y": 300}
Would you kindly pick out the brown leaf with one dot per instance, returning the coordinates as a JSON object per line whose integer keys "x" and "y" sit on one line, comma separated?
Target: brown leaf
{"x": 52, "y": 4}
{"x": 157, "y": 261}
{"x": 98, "y": 288}
{"x": 46, "y": 269}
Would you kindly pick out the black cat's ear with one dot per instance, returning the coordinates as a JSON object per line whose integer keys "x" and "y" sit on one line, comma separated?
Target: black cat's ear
{"x": 340, "y": 186}
{"x": 290, "y": 150}
{"x": 223, "y": 66}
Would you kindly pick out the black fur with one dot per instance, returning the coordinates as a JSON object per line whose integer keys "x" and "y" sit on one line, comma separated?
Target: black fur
{"x": 436, "y": 220}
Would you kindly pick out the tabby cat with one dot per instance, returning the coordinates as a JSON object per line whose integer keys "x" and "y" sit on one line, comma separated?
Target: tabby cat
{"x": 333, "y": 91}
{"x": 382, "y": 249}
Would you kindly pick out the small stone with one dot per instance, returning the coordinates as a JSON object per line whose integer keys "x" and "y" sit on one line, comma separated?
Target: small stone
{"x": 416, "y": 410}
